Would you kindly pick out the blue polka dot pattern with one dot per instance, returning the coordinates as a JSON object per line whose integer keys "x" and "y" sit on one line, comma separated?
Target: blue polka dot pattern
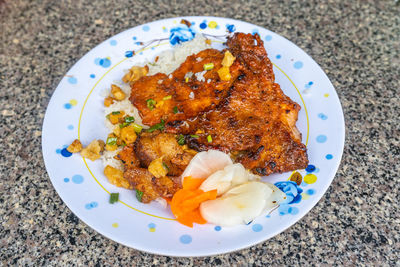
{"x": 230, "y": 27}
{"x": 58, "y": 151}
{"x": 310, "y": 168}
{"x": 298, "y": 65}
{"x": 129, "y": 53}
{"x": 257, "y": 227}
{"x": 146, "y": 28}
{"x": 278, "y": 56}
{"x": 151, "y": 225}
{"x": 185, "y": 239}
{"x": 66, "y": 180}
{"x": 321, "y": 138}
{"x": 72, "y": 80}
{"x": 134, "y": 38}
{"x": 103, "y": 62}
{"x": 65, "y": 153}
{"x": 254, "y": 31}
{"x": 113, "y": 42}
{"x": 77, "y": 179}
{"x": 91, "y": 205}
{"x": 329, "y": 156}
{"x": 203, "y": 25}
{"x": 322, "y": 116}
{"x": 67, "y": 106}
{"x": 70, "y": 127}
{"x": 92, "y": 76}
{"x": 268, "y": 38}
{"x": 217, "y": 228}
{"x": 310, "y": 192}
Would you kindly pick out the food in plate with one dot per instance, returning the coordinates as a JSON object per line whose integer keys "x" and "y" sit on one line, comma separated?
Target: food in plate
{"x": 197, "y": 127}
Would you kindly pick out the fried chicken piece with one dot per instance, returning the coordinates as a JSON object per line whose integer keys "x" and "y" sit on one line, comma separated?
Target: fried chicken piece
{"x": 128, "y": 157}
{"x": 184, "y": 93}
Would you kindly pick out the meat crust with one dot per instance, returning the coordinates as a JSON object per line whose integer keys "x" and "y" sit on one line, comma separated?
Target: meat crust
{"x": 252, "y": 118}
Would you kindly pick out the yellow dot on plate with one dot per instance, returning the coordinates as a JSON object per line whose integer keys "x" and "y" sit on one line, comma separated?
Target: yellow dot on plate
{"x": 152, "y": 229}
{"x": 115, "y": 225}
{"x": 174, "y": 21}
{"x": 108, "y": 58}
{"x": 212, "y": 24}
{"x": 73, "y": 102}
{"x": 326, "y": 95}
{"x": 310, "y": 178}
{"x": 305, "y": 196}
{"x": 163, "y": 27}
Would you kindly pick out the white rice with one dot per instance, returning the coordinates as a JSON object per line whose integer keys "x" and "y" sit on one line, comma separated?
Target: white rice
{"x": 167, "y": 62}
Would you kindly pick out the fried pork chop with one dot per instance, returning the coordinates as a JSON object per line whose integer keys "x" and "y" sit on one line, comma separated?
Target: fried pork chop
{"x": 252, "y": 118}
{"x": 185, "y": 93}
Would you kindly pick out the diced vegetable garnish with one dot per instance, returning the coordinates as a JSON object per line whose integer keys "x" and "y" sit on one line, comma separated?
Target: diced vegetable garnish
{"x": 224, "y": 74}
{"x": 209, "y": 138}
{"x": 175, "y": 110}
{"x": 114, "y": 198}
{"x": 186, "y": 202}
{"x": 93, "y": 150}
{"x": 128, "y": 134}
{"x": 111, "y": 141}
{"x": 167, "y": 97}
{"x": 187, "y": 79}
{"x": 115, "y": 116}
{"x": 159, "y": 126}
{"x": 208, "y": 66}
{"x": 151, "y": 103}
{"x": 108, "y": 101}
{"x": 117, "y": 92}
{"x": 137, "y": 127}
{"x": 139, "y": 195}
{"x": 181, "y": 139}
{"x": 129, "y": 119}
{"x": 228, "y": 59}
{"x": 194, "y": 136}
{"x": 75, "y": 147}
{"x": 116, "y": 177}
{"x": 157, "y": 168}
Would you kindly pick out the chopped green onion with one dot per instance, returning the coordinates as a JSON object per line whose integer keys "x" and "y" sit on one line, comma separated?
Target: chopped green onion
{"x": 108, "y": 116}
{"x": 208, "y": 66}
{"x": 168, "y": 97}
{"x": 181, "y": 139}
{"x": 111, "y": 141}
{"x": 165, "y": 166}
{"x": 129, "y": 119}
{"x": 158, "y": 126}
{"x": 194, "y": 136}
{"x": 153, "y": 64}
{"x": 123, "y": 145}
{"x": 124, "y": 125}
{"x": 114, "y": 198}
{"x": 175, "y": 110}
{"x": 116, "y": 112}
{"x": 139, "y": 195}
{"x": 137, "y": 127}
{"x": 209, "y": 138}
{"x": 151, "y": 103}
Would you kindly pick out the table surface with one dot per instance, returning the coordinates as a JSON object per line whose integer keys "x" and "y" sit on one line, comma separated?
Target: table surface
{"x": 357, "y": 43}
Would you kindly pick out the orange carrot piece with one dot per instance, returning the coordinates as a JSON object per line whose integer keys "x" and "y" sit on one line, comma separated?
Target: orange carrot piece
{"x": 192, "y": 183}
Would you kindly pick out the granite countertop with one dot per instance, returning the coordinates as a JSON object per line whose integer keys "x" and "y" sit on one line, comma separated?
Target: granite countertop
{"x": 357, "y": 43}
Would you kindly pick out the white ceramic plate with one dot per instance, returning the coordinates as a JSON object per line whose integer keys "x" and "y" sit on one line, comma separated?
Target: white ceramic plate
{"x": 76, "y": 110}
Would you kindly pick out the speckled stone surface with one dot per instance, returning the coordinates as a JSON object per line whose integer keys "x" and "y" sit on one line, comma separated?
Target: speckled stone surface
{"x": 357, "y": 43}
